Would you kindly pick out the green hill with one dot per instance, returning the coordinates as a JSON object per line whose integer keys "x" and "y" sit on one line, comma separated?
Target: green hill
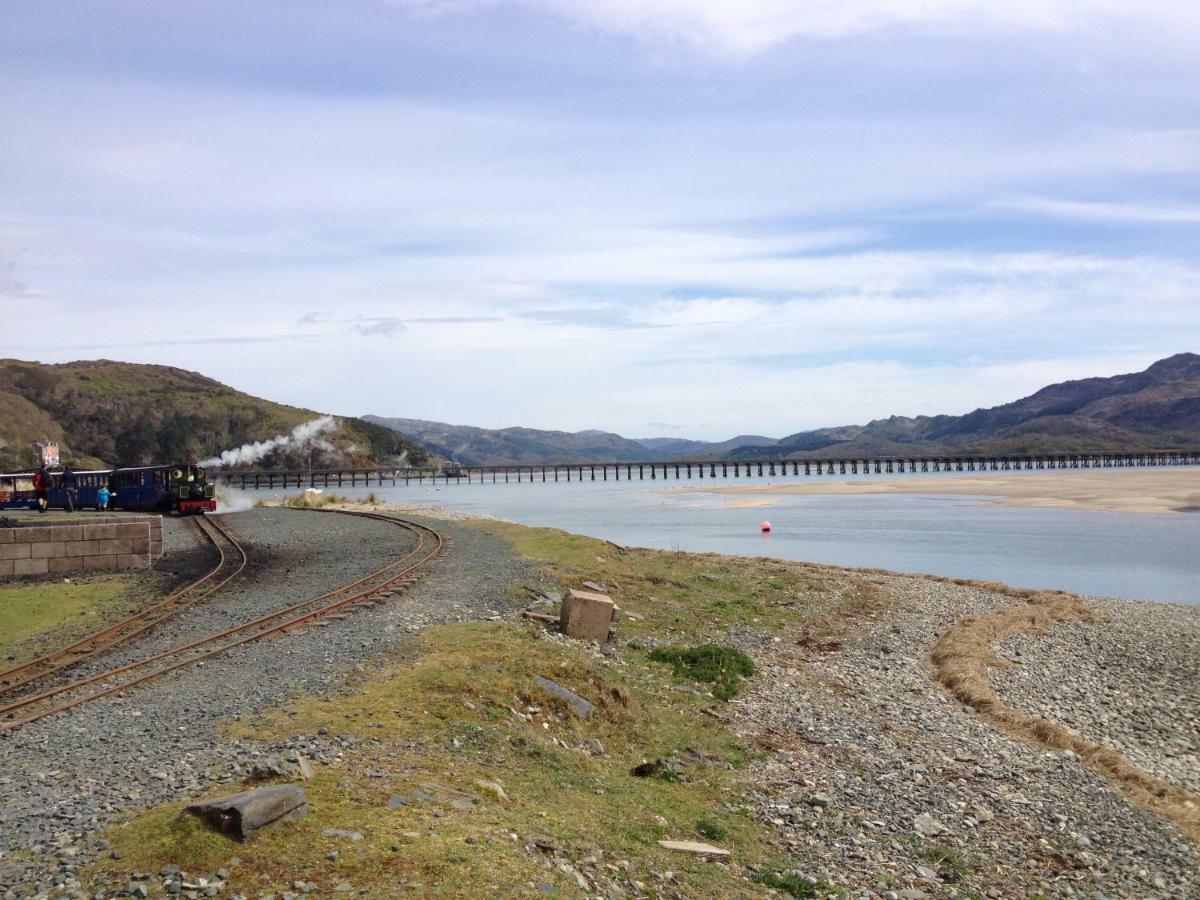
{"x": 114, "y": 413}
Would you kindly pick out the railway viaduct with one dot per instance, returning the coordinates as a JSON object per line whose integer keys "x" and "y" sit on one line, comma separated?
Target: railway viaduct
{"x": 684, "y": 469}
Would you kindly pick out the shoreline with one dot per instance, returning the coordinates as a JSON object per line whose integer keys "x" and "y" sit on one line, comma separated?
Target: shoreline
{"x": 1156, "y": 492}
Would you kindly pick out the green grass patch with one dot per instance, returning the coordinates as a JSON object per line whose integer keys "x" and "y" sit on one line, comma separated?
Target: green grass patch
{"x": 463, "y": 705}
{"x": 722, "y": 667}
{"x": 952, "y": 865}
{"x": 713, "y": 831}
{"x": 31, "y": 613}
{"x": 794, "y": 884}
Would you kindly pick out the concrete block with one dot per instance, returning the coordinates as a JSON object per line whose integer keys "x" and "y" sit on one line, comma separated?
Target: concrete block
{"x": 29, "y": 567}
{"x": 140, "y": 544}
{"x": 99, "y": 532}
{"x": 64, "y": 564}
{"x": 133, "y": 561}
{"x": 76, "y": 548}
{"x": 33, "y": 535}
{"x": 6, "y": 535}
{"x": 47, "y": 550}
{"x": 114, "y": 546}
{"x": 68, "y": 533}
{"x": 98, "y": 563}
{"x": 586, "y": 616}
{"x": 6, "y": 567}
{"x": 14, "y": 551}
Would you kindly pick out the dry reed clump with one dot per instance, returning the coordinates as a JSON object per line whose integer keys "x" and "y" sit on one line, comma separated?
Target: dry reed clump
{"x": 964, "y": 653}
{"x": 322, "y": 499}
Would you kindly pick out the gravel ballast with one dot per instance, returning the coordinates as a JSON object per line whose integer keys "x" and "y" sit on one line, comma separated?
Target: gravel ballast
{"x": 65, "y": 778}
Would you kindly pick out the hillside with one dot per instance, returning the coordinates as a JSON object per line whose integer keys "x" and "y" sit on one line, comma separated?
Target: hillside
{"x": 114, "y": 413}
{"x": 514, "y": 446}
{"x": 682, "y": 448}
{"x": 473, "y": 446}
{"x": 1158, "y": 408}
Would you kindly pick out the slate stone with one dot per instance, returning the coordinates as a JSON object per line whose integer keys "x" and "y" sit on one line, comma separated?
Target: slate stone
{"x": 581, "y": 707}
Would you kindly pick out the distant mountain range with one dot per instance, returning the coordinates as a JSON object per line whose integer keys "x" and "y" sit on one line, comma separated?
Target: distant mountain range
{"x": 471, "y": 446}
{"x": 1158, "y": 408}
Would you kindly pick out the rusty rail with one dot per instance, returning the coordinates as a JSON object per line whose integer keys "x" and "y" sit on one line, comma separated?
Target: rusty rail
{"x": 395, "y": 575}
{"x": 230, "y": 563}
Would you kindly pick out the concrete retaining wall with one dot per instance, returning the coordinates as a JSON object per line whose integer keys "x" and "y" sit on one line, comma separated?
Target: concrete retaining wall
{"x": 97, "y": 543}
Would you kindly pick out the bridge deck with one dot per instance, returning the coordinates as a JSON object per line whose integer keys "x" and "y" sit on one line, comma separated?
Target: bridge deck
{"x": 684, "y": 469}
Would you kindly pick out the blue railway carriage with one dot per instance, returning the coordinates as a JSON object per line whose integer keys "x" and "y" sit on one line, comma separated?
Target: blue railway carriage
{"x": 179, "y": 488}
{"x": 16, "y": 491}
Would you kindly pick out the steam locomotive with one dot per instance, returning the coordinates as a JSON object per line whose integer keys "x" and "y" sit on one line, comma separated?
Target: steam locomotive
{"x": 179, "y": 489}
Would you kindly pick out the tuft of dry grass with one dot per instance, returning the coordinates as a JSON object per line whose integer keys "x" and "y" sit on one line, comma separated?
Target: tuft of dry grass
{"x": 963, "y": 655}
{"x": 322, "y": 499}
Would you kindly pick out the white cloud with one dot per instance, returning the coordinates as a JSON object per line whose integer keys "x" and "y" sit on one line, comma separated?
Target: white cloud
{"x": 1104, "y": 212}
{"x": 742, "y": 27}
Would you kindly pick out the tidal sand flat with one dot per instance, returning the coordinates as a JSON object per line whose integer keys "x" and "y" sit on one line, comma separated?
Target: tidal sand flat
{"x": 1154, "y": 492}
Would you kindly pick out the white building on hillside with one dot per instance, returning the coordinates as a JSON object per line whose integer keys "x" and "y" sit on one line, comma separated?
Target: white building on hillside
{"x": 47, "y": 452}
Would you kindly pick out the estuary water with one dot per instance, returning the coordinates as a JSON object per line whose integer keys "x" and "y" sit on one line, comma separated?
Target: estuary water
{"x": 1139, "y": 557}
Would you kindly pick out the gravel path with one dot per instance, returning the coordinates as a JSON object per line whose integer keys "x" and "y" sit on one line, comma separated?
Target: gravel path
{"x": 877, "y": 772}
{"x": 65, "y": 778}
{"x": 1132, "y": 684}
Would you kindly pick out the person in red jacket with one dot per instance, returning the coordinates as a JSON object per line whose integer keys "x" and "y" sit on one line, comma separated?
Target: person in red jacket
{"x": 41, "y": 488}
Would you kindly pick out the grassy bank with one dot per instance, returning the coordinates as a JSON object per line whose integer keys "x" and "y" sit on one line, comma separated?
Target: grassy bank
{"x": 37, "y": 615}
{"x": 554, "y": 804}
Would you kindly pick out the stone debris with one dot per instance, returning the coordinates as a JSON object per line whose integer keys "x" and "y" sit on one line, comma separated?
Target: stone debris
{"x": 290, "y": 764}
{"x": 492, "y": 788}
{"x": 344, "y": 833}
{"x": 442, "y": 795}
{"x": 696, "y": 848}
{"x": 928, "y": 826}
{"x": 581, "y": 707}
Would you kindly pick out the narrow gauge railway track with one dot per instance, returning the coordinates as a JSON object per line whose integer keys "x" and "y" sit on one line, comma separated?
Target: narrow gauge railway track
{"x": 365, "y": 591}
{"x": 231, "y": 561}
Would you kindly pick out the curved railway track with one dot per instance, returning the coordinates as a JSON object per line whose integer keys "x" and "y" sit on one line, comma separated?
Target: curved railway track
{"x": 231, "y": 561}
{"x": 362, "y": 592}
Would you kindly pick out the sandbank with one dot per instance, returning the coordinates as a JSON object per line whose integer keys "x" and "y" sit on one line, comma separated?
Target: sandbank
{"x": 1151, "y": 491}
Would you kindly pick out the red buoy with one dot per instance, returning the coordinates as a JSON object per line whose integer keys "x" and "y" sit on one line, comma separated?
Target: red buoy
{"x": 766, "y": 527}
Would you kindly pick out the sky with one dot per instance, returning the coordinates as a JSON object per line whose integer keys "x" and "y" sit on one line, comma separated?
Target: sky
{"x": 664, "y": 218}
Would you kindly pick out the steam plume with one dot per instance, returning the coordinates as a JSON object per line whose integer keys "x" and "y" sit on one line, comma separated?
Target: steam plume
{"x": 307, "y": 434}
